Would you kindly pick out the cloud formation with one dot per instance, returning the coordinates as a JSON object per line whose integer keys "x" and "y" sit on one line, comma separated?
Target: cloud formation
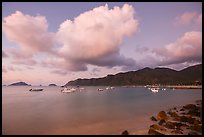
{"x": 188, "y": 18}
{"x": 185, "y": 51}
{"x": 94, "y": 37}
{"x": 29, "y": 32}
{"x": 186, "y": 48}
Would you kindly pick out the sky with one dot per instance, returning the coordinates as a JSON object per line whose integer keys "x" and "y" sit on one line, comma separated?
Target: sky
{"x": 45, "y": 42}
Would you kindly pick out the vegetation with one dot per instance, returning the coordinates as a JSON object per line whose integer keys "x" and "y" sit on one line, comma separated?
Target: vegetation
{"x": 147, "y": 76}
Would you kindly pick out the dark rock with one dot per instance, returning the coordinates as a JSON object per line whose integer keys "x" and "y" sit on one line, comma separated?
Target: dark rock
{"x": 190, "y": 120}
{"x": 193, "y": 133}
{"x": 189, "y": 106}
{"x": 154, "y": 132}
{"x": 184, "y": 119}
{"x": 125, "y": 132}
{"x": 196, "y": 122}
{"x": 157, "y": 127}
{"x": 161, "y": 122}
{"x": 153, "y": 118}
{"x": 162, "y": 115}
{"x": 183, "y": 113}
{"x": 174, "y": 114}
{"x": 182, "y": 109}
{"x": 194, "y": 112}
{"x": 178, "y": 125}
{"x": 176, "y": 132}
{"x": 197, "y": 128}
{"x": 174, "y": 108}
{"x": 170, "y": 125}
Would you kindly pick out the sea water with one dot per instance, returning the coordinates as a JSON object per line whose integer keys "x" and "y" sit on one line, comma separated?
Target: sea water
{"x": 87, "y": 111}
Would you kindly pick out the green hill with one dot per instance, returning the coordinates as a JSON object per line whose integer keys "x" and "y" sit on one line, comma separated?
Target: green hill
{"x": 147, "y": 76}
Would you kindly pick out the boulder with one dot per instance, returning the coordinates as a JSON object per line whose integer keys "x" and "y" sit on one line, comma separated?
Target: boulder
{"x": 176, "y": 132}
{"x": 153, "y": 118}
{"x": 125, "y": 132}
{"x": 174, "y": 114}
{"x": 182, "y": 109}
{"x": 154, "y": 132}
{"x": 157, "y": 127}
{"x": 170, "y": 125}
{"x": 162, "y": 115}
{"x": 189, "y": 106}
{"x": 161, "y": 122}
{"x": 193, "y": 133}
{"x": 197, "y": 128}
{"x": 184, "y": 119}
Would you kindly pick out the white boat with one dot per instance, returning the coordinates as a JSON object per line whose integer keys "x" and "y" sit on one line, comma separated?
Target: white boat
{"x": 163, "y": 88}
{"x": 112, "y": 87}
{"x": 67, "y": 90}
{"x": 100, "y": 89}
{"x": 155, "y": 90}
{"x": 36, "y": 89}
{"x": 107, "y": 88}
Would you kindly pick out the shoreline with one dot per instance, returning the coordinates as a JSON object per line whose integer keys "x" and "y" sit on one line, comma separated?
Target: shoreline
{"x": 180, "y": 120}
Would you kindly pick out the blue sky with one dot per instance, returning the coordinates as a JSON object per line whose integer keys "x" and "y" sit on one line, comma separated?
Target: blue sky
{"x": 154, "y": 33}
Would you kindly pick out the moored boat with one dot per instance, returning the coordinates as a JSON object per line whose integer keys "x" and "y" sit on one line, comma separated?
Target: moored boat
{"x": 68, "y": 90}
{"x": 36, "y": 89}
{"x": 155, "y": 90}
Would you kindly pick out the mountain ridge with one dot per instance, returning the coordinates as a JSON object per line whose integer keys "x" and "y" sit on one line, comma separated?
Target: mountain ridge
{"x": 147, "y": 76}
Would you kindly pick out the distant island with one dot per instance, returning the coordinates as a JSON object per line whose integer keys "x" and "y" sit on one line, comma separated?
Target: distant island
{"x": 52, "y": 85}
{"x": 19, "y": 84}
{"x": 147, "y": 76}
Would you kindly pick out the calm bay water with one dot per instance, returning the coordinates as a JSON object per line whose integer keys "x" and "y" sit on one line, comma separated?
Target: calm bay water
{"x": 86, "y": 112}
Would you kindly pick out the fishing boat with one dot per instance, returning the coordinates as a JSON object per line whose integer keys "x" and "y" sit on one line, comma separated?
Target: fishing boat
{"x": 100, "y": 89}
{"x": 68, "y": 90}
{"x": 40, "y": 89}
{"x": 155, "y": 90}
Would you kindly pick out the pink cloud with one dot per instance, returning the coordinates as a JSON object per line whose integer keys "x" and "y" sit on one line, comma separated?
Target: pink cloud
{"x": 29, "y": 32}
{"x": 186, "y": 18}
{"x": 29, "y": 62}
{"x": 59, "y": 72}
{"x": 94, "y": 37}
{"x": 190, "y": 18}
{"x": 187, "y": 48}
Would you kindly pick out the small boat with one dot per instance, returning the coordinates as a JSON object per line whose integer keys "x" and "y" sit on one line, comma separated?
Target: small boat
{"x": 100, "y": 89}
{"x": 107, "y": 88}
{"x": 36, "y": 89}
{"x": 67, "y": 90}
{"x": 163, "y": 88}
{"x": 155, "y": 90}
{"x": 112, "y": 87}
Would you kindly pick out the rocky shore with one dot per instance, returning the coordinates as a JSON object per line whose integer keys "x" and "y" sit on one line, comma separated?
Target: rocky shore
{"x": 185, "y": 120}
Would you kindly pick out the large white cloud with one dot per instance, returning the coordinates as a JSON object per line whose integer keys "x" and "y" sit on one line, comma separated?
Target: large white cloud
{"x": 184, "y": 51}
{"x": 94, "y": 37}
{"x": 29, "y": 32}
{"x": 187, "y": 48}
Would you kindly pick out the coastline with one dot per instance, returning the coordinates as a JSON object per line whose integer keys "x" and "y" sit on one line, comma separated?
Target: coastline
{"x": 180, "y": 120}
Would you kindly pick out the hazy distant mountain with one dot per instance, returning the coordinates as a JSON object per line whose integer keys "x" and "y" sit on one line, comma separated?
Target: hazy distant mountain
{"x": 52, "y": 85}
{"x": 19, "y": 84}
{"x": 147, "y": 76}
